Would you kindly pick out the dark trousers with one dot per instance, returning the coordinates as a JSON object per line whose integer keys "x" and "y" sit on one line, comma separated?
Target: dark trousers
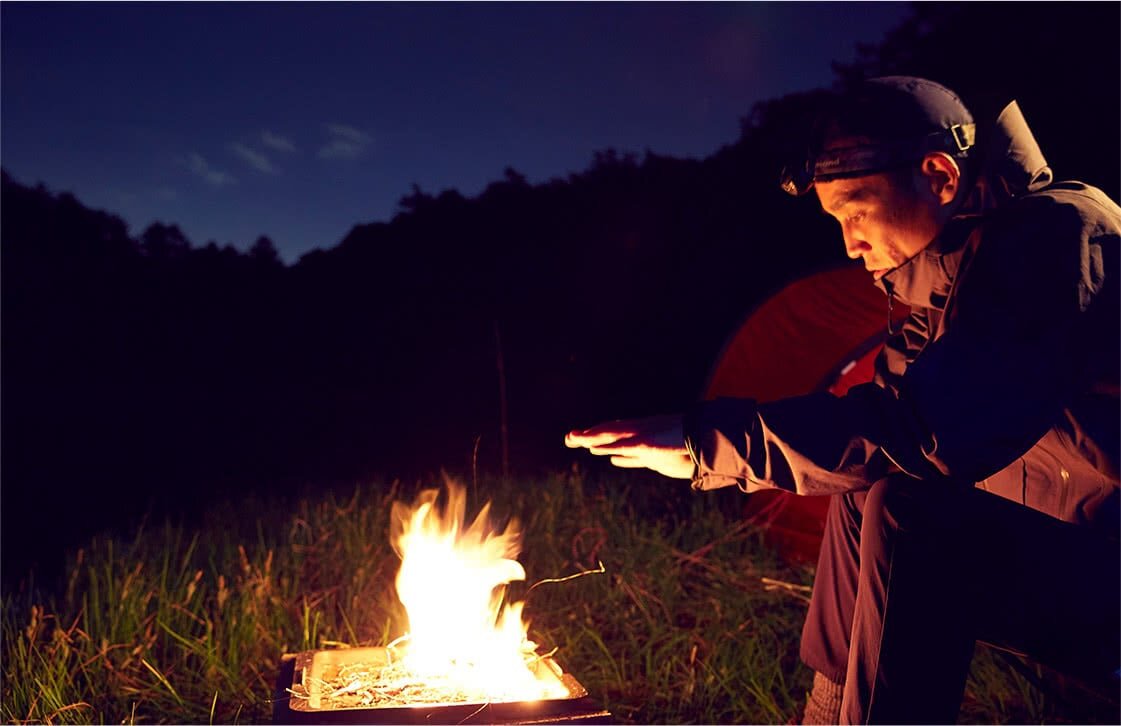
{"x": 912, "y": 573}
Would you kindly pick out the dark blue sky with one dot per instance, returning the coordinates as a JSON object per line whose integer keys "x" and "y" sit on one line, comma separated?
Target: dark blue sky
{"x": 301, "y": 120}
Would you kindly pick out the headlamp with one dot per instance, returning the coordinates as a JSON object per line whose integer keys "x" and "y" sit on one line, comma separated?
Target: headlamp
{"x": 861, "y": 160}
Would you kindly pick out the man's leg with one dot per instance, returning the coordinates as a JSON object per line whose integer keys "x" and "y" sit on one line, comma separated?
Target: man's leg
{"x": 850, "y": 598}
{"x": 911, "y": 639}
{"x": 942, "y": 565}
{"x": 1051, "y": 589}
{"x": 825, "y": 635}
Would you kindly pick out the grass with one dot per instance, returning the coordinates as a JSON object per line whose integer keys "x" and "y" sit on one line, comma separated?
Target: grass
{"x": 188, "y": 625}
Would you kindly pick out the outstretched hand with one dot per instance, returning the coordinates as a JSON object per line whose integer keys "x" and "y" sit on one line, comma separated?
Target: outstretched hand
{"x": 655, "y": 443}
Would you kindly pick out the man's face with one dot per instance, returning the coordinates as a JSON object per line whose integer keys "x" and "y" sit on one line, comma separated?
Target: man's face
{"x": 885, "y": 218}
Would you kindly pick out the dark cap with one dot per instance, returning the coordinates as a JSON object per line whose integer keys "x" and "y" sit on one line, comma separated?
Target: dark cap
{"x": 895, "y": 108}
{"x": 880, "y": 124}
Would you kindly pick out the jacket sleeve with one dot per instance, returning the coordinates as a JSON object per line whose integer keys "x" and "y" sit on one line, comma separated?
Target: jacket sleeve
{"x": 807, "y": 444}
{"x": 1012, "y": 351}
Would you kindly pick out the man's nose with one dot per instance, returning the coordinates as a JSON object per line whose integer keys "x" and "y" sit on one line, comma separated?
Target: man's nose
{"x": 855, "y": 247}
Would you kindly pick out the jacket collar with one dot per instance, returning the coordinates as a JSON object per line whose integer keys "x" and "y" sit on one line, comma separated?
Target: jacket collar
{"x": 925, "y": 279}
{"x": 1012, "y": 164}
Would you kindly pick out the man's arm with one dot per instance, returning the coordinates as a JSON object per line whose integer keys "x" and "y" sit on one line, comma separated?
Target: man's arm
{"x": 1013, "y": 354}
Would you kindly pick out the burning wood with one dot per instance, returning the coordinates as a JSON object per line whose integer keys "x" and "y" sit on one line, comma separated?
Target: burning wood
{"x": 466, "y": 656}
{"x": 464, "y": 645}
{"x": 368, "y": 678}
{"x": 396, "y": 685}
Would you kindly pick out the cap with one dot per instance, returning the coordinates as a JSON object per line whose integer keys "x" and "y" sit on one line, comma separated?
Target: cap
{"x": 882, "y": 123}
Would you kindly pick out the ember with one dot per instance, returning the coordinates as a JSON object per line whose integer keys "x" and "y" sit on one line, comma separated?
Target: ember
{"x": 362, "y": 685}
{"x": 370, "y": 678}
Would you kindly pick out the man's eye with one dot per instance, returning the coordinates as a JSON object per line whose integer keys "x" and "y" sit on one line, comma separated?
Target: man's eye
{"x": 856, "y": 217}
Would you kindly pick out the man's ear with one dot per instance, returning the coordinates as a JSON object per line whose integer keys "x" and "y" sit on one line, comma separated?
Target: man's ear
{"x": 942, "y": 176}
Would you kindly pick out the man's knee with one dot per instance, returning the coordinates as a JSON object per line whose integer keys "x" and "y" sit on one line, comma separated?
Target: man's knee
{"x": 900, "y": 503}
{"x": 888, "y": 508}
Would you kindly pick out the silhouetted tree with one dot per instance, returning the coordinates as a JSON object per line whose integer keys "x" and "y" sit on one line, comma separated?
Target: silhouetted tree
{"x": 264, "y": 252}
{"x": 415, "y": 200}
{"x": 164, "y": 242}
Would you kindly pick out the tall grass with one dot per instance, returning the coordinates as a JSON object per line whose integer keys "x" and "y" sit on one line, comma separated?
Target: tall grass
{"x": 188, "y": 625}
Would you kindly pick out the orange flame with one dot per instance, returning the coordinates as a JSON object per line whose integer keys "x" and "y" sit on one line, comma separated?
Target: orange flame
{"x": 452, "y": 581}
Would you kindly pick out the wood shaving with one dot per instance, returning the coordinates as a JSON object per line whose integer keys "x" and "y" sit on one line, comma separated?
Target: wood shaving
{"x": 365, "y": 685}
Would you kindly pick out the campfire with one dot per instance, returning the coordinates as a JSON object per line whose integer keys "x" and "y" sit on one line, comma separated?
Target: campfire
{"x": 466, "y": 646}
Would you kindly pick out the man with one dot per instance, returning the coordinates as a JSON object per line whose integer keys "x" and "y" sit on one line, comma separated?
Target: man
{"x": 975, "y": 481}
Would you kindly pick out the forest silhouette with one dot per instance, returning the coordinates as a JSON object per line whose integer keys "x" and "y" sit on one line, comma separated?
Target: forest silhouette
{"x": 147, "y": 374}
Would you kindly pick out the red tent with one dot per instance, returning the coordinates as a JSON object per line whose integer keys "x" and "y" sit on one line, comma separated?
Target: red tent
{"x": 818, "y": 333}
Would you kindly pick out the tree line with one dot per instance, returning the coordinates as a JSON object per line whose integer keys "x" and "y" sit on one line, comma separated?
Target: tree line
{"x": 144, "y": 373}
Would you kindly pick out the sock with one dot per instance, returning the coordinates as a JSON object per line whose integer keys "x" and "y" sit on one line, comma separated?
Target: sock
{"x": 823, "y": 705}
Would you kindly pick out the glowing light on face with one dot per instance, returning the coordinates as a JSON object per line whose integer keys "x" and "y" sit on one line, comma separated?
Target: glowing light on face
{"x": 884, "y": 221}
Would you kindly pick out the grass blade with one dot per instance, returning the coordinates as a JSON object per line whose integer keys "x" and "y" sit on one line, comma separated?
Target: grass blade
{"x": 162, "y": 680}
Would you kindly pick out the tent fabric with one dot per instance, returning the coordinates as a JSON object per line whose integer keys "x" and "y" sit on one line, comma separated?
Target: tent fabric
{"x": 821, "y": 332}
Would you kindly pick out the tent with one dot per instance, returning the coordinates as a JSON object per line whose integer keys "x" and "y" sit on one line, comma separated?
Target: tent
{"x": 821, "y": 332}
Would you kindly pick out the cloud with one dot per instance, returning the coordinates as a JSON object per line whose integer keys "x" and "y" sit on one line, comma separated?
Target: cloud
{"x": 253, "y": 158}
{"x": 344, "y": 142}
{"x": 211, "y": 176}
{"x": 277, "y": 142}
{"x": 349, "y": 133}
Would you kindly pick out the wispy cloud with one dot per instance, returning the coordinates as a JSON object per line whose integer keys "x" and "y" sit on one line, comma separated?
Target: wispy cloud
{"x": 344, "y": 142}
{"x": 254, "y": 158}
{"x": 214, "y": 177}
{"x": 277, "y": 142}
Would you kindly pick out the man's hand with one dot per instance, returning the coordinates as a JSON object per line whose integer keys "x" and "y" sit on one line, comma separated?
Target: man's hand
{"x": 654, "y": 443}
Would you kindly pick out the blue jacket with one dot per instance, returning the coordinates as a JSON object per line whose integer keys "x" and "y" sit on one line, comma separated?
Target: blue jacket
{"x": 1006, "y": 373}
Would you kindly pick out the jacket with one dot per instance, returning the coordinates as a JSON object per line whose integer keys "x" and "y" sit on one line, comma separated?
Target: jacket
{"x": 1005, "y": 375}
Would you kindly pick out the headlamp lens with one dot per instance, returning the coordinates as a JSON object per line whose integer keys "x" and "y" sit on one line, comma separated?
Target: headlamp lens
{"x": 798, "y": 178}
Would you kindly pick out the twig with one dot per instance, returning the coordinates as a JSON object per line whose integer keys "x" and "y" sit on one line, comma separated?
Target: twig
{"x": 472, "y": 714}
{"x": 537, "y": 657}
{"x": 773, "y": 584}
{"x": 504, "y": 431}
{"x": 475, "y": 463}
{"x": 598, "y": 571}
{"x": 397, "y": 641}
{"x": 335, "y": 644}
{"x": 789, "y": 587}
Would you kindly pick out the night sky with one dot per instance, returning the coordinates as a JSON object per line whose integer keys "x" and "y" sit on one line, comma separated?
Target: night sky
{"x": 298, "y": 121}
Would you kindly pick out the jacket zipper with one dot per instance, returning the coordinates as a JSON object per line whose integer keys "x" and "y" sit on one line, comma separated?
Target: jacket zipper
{"x": 890, "y": 305}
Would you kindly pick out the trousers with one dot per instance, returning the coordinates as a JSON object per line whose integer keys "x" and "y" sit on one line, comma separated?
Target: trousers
{"x": 912, "y": 573}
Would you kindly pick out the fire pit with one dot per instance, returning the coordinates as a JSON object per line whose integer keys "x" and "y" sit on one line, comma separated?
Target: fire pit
{"x": 466, "y": 657}
{"x": 307, "y": 693}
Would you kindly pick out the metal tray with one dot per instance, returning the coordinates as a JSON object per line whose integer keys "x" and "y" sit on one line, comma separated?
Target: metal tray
{"x": 310, "y": 667}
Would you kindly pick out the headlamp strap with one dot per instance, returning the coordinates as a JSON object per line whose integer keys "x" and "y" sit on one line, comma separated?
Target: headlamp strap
{"x": 964, "y": 135}
{"x": 797, "y": 179}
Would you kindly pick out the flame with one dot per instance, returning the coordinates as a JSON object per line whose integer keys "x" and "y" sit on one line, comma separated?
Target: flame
{"x": 452, "y": 582}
